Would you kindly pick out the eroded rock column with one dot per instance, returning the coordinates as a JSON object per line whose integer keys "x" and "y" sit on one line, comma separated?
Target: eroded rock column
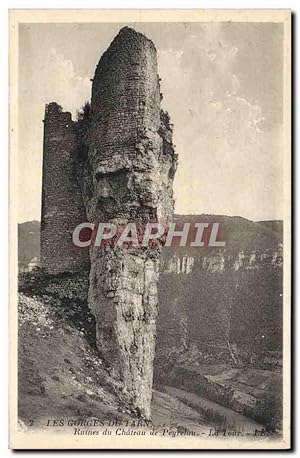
{"x": 128, "y": 178}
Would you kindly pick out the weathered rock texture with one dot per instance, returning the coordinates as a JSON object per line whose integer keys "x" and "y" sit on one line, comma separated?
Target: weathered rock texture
{"x": 128, "y": 177}
{"x": 62, "y": 205}
{"x": 116, "y": 164}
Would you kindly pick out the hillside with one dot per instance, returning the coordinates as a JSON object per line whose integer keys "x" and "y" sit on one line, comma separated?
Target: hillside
{"x": 220, "y": 311}
{"x": 62, "y": 375}
{"x": 239, "y": 234}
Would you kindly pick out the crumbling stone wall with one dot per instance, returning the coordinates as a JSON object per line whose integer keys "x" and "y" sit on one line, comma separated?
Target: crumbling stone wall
{"x": 128, "y": 177}
{"x": 62, "y": 205}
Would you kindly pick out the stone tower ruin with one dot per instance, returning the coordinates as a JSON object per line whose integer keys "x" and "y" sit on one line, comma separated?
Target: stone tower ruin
{"x": 62, "y": 204}
{"x": 127, "y": 176}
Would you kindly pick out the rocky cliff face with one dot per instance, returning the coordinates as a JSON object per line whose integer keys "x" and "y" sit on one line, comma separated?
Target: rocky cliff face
{"x": 128, "y": 177}
{"x": 221, "y": 301}
{"x": 223, "y": 260}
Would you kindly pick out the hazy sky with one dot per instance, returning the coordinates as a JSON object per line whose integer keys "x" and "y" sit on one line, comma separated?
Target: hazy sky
{"x": 222, "y": 85}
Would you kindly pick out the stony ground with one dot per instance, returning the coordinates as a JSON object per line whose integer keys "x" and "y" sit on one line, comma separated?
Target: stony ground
{"x": 61, "y": 374}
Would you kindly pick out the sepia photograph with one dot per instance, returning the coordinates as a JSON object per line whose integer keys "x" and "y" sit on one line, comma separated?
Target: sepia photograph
{"x": 150, "y": 234}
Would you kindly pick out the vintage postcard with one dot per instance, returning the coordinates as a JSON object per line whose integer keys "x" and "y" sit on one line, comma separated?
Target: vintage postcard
{"x": 150, "y": 205}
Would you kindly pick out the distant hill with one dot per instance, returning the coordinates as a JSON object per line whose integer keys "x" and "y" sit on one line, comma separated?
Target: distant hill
{"x": 274, "y": 225}
{"x": 239, "y": 234}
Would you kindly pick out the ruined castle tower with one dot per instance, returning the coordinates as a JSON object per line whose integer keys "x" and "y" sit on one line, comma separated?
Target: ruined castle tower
{"x": 62, "y": 205}
{"x": 129, "y": 175}
{"x": 125, "y": 174}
